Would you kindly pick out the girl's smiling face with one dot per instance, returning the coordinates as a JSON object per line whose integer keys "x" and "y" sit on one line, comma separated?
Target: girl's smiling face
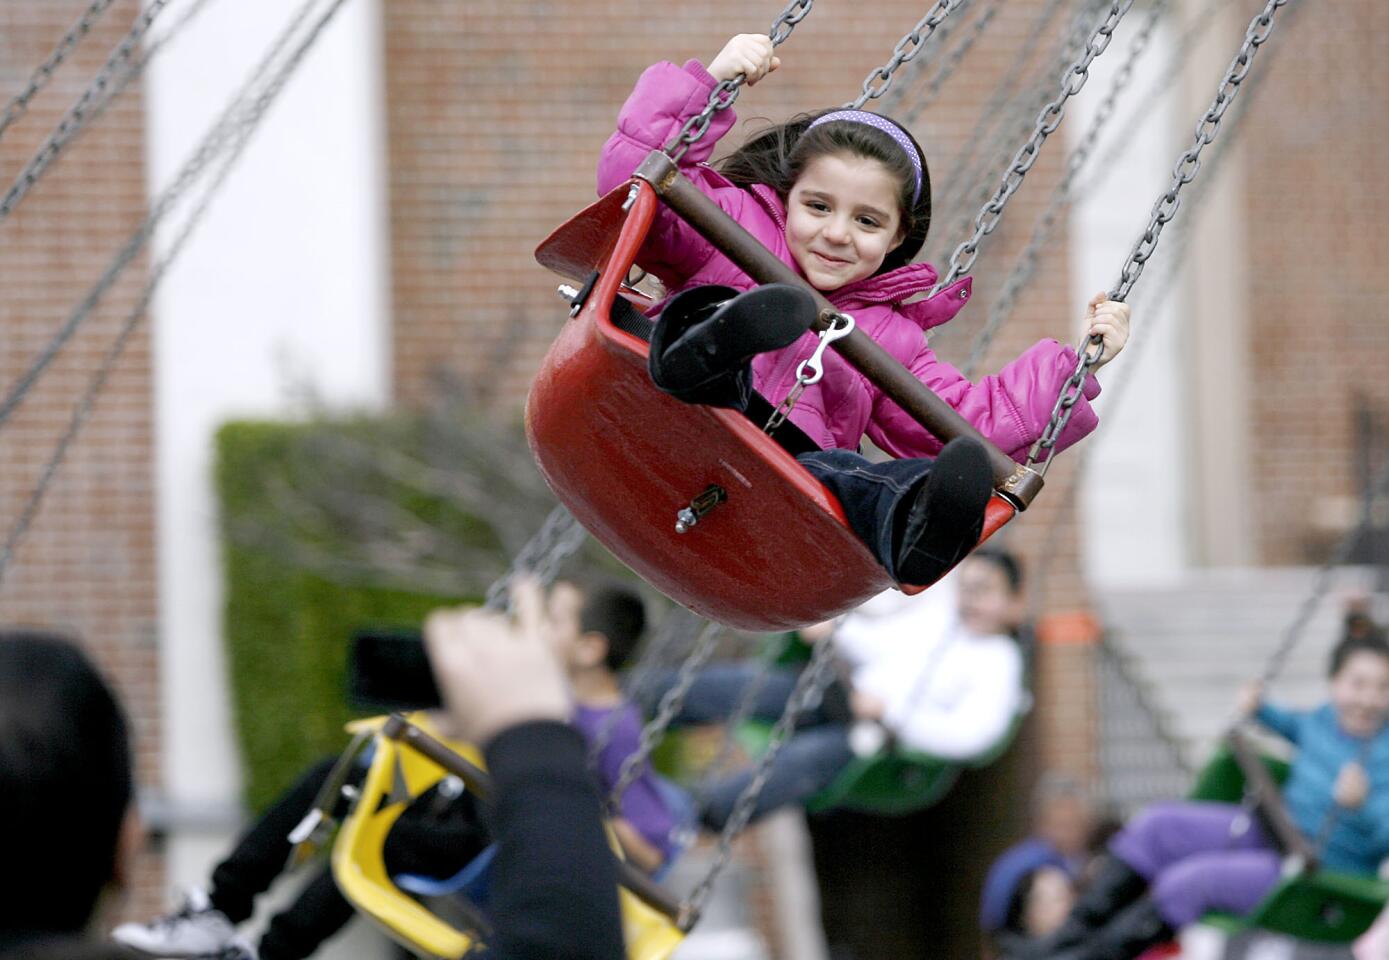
{"x": 842, "y": 219}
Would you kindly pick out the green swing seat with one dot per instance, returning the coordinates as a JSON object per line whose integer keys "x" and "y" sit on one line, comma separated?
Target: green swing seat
{"x": 1318, "y": 905}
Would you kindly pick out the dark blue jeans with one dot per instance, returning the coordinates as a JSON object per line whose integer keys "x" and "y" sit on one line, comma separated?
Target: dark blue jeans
{"x": 875, "y": 496}
{"x": 807, "y": 763}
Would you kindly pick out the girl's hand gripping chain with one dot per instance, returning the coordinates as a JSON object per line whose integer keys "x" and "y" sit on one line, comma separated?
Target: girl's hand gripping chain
{"x": 1352, "y": 786}
{"x": 1109, "y": 320}
{"x": 749, "y": 54}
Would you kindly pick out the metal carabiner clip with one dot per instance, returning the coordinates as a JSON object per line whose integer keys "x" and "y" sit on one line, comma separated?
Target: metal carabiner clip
{"x": 840, "y": 327}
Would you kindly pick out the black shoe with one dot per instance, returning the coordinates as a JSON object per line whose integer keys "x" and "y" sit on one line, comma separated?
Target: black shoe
{"x": 1138, "y": 927}
{"x": 943, "y": 523}
{"x": 1115, "y": 885}
{"x": 705, "y": 337}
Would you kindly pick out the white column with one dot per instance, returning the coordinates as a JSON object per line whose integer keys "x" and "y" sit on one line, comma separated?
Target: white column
{"x": 285, "y": 286}
{"x": 1134, "y": 490}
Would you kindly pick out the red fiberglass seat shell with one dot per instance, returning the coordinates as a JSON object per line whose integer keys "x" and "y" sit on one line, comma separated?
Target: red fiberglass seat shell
{"x": 625, "y": 458}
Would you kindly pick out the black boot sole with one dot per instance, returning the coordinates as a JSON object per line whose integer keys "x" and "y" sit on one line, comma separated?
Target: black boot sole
{"x": 946, "y": 518}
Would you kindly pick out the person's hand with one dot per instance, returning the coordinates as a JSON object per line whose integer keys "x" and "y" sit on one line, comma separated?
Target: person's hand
{"x": 866, "y": 706}
{"x": 750, "y": 54}
{"x": 493, "y": 673}
{"x": 1249, "y": 698}
{"x": 1109, "y": 320}
{"x": 1352, "y": 786}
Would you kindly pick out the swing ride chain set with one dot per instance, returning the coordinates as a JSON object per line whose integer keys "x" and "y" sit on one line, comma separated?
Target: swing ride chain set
{"x": 1047, "y": 121}
{"x": 1080, "y": 154}
{"x": 1188, "y": 165}
{"x": 44, "y": 72}
{"x": 237, "y": 122}
{"x": 726, "y": 91}
{"x": 879, "y": 80}
{"x": 225, "y": 130}
{"x": 76, "y": 116}
{"x": 809, "y": 686}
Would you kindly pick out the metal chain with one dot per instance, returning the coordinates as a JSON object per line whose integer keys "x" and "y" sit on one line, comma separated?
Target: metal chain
{"x": 1119, "y": 389}
{"x": 75, "y": 119}
{"x": 894, "y": 97}
{"x": 879, "y": 79}
{"x": 558, "y": 539}
{"x": 809, "y": 686}
{"x": 1008, "y": 112}
{"x": 1047, "y": 121}
{"x": 726, "y": 91}
{"x": 1026, "y": 264}
{"x": 742, "y": 712}
{"x": 1189, "y": 164}
{"x": 670, "y": 705}
{"x": 674, "y": 627}
{"x": 44, "y": 72}
{"x": 242, "y": 120}
{"x": 213, "y": 143}
{"x": 952, "y": 62}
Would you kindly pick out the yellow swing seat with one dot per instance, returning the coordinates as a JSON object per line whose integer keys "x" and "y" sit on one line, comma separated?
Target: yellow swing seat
{"x": 398, "y": 773}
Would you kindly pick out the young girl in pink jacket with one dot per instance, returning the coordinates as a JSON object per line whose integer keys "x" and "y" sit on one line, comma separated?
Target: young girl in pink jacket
{"x": 844, "y": 197}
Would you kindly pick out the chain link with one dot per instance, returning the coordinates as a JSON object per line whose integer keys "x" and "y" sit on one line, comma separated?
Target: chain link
{"x": 44, "y": 72}
{"x": 879, "y": 79}
{"x": 894, "y": 97}
{"x": 1189, "y": 164}
{"x": 809, "y": 687}
{"x": 996, "y": 111}
{"x": 235, "y": 127}
{"x": 75, "y": 119}
{"x": 670, "y": 705}
{"x": 1047, "y": 121}
{"x": 726, "y": 91}
{"x": 1061, "y": 195}
{"x": 952, "y": 63}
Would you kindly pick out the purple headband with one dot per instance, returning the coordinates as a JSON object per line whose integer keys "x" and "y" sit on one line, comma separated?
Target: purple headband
{"x": 887, "y": 127}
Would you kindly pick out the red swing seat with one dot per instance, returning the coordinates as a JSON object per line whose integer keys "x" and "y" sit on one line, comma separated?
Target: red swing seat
{"x": 625, "y": 458}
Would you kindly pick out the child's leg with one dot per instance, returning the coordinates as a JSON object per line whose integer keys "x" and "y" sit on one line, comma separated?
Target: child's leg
{"x": 260, "y": 855}
{"x": 917, "y": 516}
{"x": 319, "y": 912}
{"x": 807, "y": 764}
{"x": 1167, "y": 833}
{"x": 1231, "y": 881}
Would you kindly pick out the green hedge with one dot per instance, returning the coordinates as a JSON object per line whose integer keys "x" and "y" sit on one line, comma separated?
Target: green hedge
{"x": 286, "y": 629}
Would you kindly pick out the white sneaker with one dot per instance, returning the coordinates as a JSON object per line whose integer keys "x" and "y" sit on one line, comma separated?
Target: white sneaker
{"x": 194, "y": 930}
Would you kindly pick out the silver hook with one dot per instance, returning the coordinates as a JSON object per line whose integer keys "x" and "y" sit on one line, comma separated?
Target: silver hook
{"x": 815, "y": 363}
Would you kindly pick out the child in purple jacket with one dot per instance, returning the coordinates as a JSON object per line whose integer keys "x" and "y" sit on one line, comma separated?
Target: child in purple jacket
{"x": 843, "y": 197}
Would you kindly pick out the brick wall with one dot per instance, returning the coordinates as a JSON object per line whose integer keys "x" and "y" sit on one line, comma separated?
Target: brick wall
{"x": 1319, "y": 291}
{"x": 88, "y": 565}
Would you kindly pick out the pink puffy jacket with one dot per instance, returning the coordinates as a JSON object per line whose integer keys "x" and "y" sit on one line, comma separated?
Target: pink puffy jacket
{"x": 1010, "y": 408}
